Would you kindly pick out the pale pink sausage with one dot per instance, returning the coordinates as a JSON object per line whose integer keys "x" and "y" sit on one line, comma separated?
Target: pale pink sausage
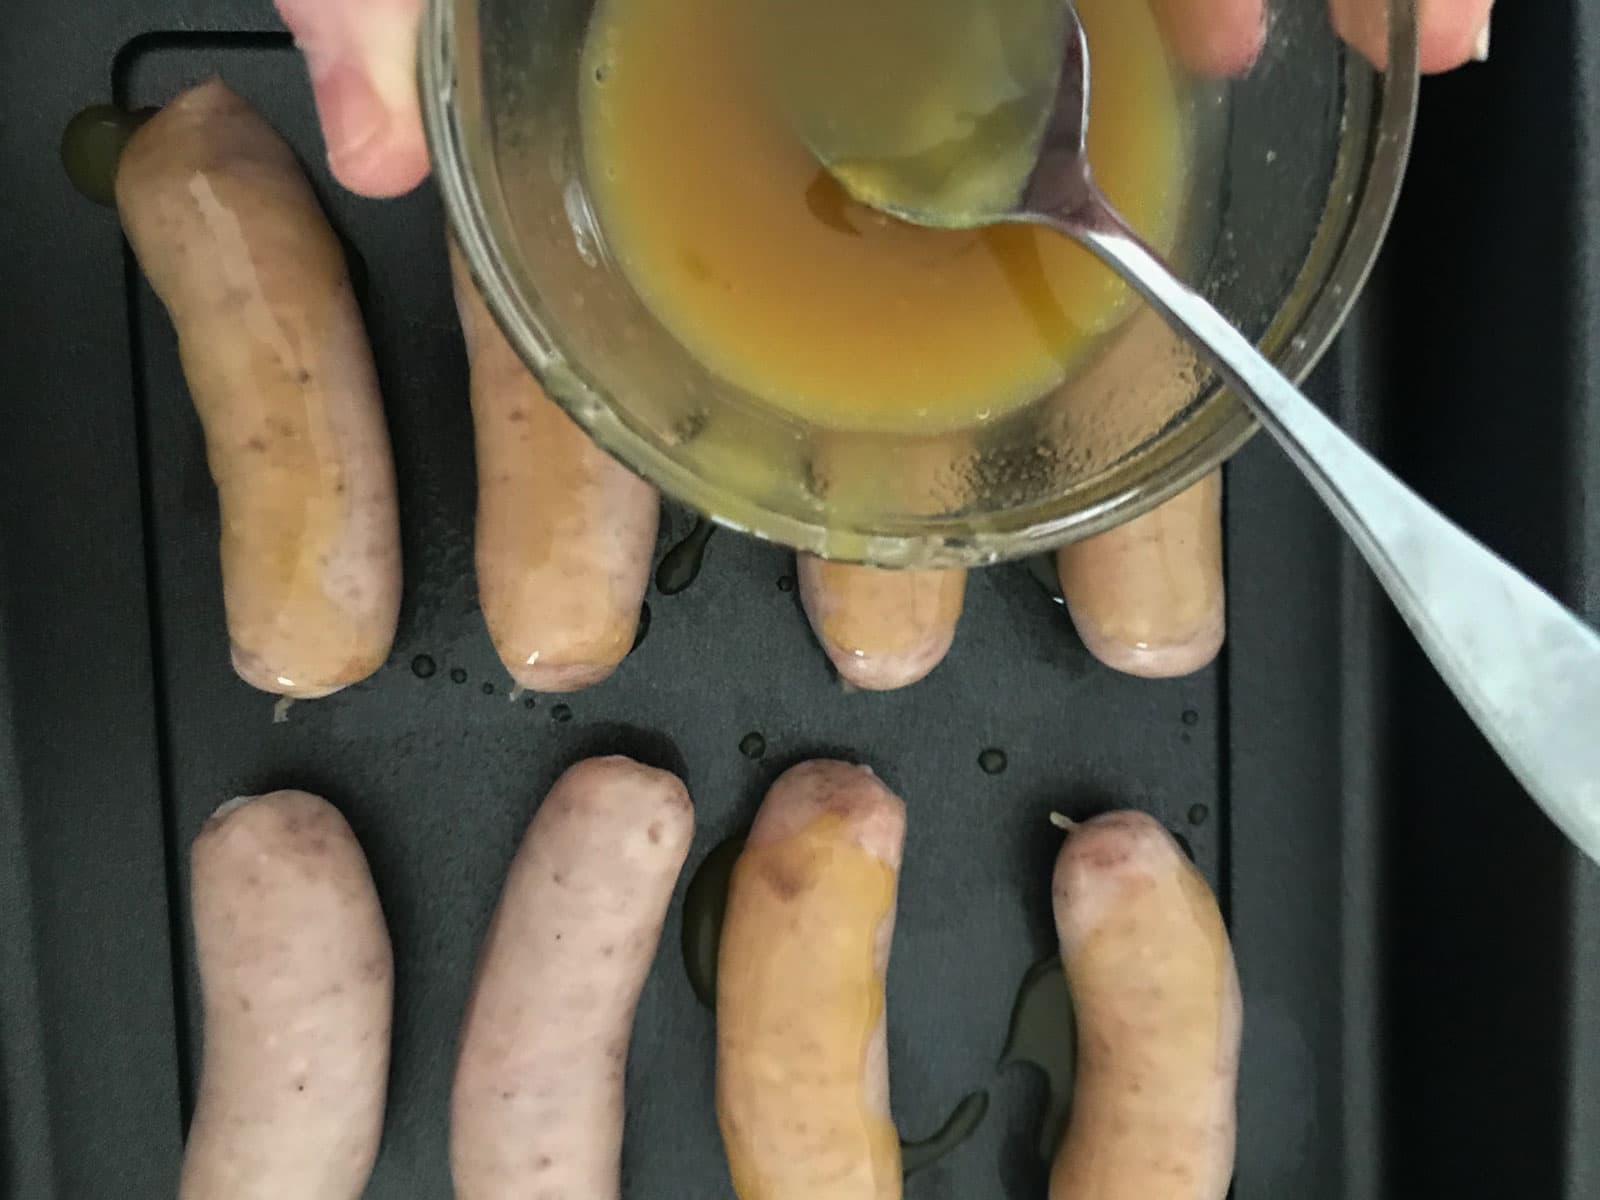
{"x": 296, "y": 977}
{"x": 537, "y": 1109}
{"x": 1157, "y": 1003}
{"x": 1213, "y": 37}
{"x": 802, "y": 1043}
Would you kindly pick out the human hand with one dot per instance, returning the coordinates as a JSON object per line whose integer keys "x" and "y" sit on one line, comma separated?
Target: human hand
{"x": 362, "y": 56}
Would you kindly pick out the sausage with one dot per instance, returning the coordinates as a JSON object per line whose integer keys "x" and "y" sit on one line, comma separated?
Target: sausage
{"x": 1213, "y": 37}
{"x": 1148, "y": 597}
{"x": 296, "y": 979}
{"x": 802, "y": 1049}
{"x": 537, "y": 1109}
{"x": 886, "y": 629}
{"x": 565, "y": 533}
{"x": 882, "y": 629}
{"x": 1452, "y": 33}
{"x": 232, "y": 240}
{"x": 1159, "y": 1016}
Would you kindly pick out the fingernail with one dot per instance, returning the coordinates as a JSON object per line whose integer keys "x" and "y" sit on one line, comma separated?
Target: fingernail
{"x": 1480, "y": 48}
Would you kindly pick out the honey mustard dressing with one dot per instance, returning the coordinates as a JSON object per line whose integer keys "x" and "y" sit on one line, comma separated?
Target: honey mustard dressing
{"x": 751, "y": 254}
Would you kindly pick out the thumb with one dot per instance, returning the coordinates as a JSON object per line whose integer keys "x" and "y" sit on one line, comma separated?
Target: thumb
{"x": 362, "y": 55}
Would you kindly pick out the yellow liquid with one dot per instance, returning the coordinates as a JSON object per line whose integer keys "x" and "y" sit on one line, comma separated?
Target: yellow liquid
{"x": 760, "y": 265}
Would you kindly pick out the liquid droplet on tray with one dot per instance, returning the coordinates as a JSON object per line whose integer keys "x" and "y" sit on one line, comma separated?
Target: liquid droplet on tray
{"x": 681, "y": 565}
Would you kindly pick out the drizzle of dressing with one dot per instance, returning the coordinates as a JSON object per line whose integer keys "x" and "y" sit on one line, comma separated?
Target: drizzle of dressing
{"x": 800, "y": 1003}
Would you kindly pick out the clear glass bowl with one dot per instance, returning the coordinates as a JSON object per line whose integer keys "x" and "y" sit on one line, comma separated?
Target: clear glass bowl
{"x": 1298, "y": 167}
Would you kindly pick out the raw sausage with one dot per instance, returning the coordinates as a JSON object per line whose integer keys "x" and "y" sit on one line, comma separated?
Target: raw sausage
{"x": 1148, "y": 597}
{"x": 1159, "y": 1015}
{"x": 882, "y": 629}
{"x": 565, "y": 532}
{"x": 802, "y": 1049}
{"x": 296, "y": 976}
{"x": 538, "y": 1103}
{"x": 1451, "y": 33}
{"x": 231, "y": 237}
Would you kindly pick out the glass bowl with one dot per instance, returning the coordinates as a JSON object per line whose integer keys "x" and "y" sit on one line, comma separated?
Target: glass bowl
{"x": 1296, "y": 171}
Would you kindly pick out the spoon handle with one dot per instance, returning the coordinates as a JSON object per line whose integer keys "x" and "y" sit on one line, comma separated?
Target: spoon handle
{"x": 1525, "y": 669}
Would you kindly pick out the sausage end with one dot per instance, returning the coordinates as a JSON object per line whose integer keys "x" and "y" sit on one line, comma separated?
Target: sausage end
{"x": 875, "y": 815}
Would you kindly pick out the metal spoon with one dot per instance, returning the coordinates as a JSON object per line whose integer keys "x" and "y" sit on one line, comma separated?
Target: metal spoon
{"x": 1525, "y": 669}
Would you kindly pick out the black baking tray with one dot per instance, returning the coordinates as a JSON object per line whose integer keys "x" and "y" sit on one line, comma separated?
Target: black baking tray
{"x": 1420, "y": 951}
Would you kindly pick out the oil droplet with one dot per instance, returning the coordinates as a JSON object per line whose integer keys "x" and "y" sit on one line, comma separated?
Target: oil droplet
{"x": 993, "y": 762}
{"x": 530, "y": 702}
{"x": 423, "y": 667}
{"x": 786, "y": 583}
{"x": 962, "y": 1124}
{"x": 752, "y": 745}
{"x": 1042, "y": 1033}
{"x": 1198, "y": 814}
{"x": 1041, "y": 569}
{"x": 92, "y": 145}
{"x": 488, "y": 688}
{"x": 704, "y": 906}
{"x": 458, "y": 676}
{"x": 1190, "y": 717}
{"x": 561, "y": 714}
{"x": 645, "y": 617}
{"x": 681, "y": 565}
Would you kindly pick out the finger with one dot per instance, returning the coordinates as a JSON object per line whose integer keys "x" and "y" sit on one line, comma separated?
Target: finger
{"x": 1148, "y": 597}
{"x": 362, "y": 55}
{"x": 1213, "y": 37}
{"x": 1451, "y": 32}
